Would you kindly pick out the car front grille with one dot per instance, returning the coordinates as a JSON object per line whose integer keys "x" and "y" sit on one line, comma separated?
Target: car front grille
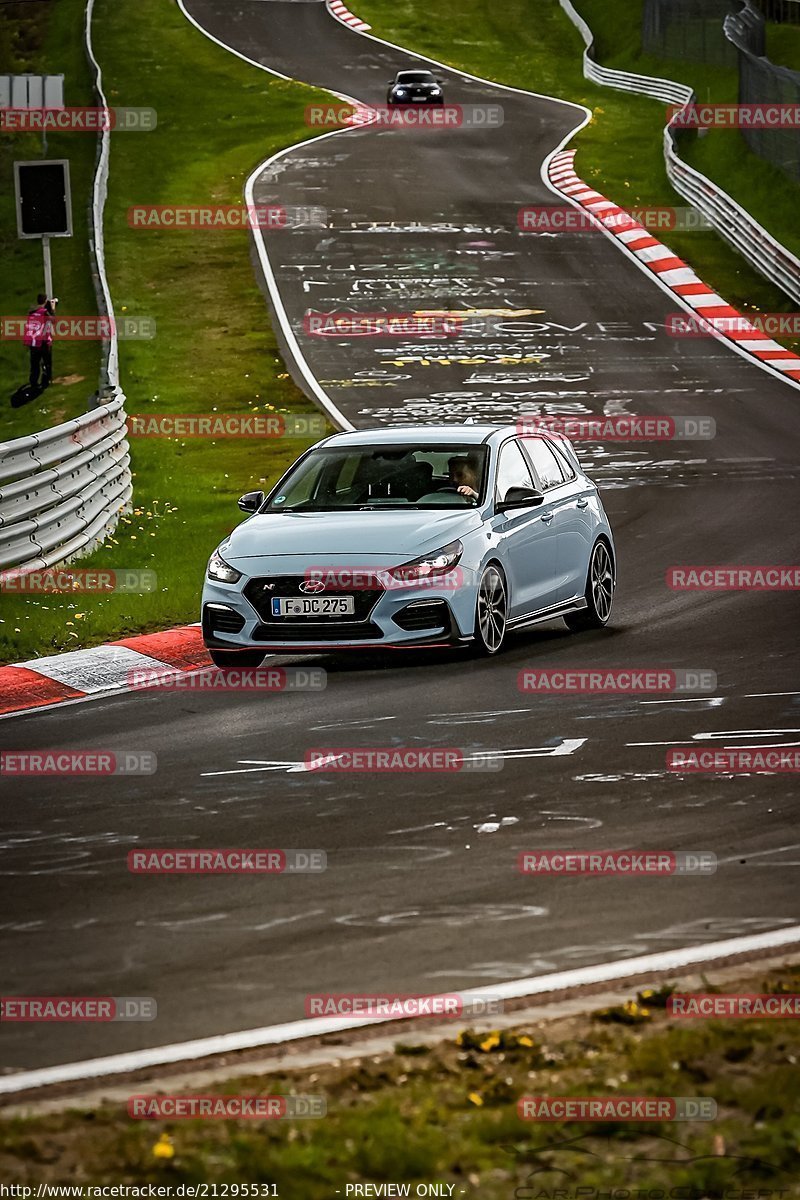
{"x": 260, "y": 592}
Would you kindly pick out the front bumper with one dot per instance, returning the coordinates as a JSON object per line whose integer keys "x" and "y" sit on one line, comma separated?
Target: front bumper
{"x": 397, "y": 618}
{"x": 419, "y": 102}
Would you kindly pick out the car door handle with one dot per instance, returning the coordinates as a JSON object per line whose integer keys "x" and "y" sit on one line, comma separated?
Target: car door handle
{"x": 583, "y": 503}
{"x": 547, "y": 518}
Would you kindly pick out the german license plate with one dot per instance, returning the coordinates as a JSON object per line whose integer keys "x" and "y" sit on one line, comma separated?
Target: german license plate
{"x": 313, "y": 606}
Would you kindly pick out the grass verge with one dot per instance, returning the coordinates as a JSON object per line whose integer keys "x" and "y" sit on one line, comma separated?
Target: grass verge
{"x": 448, "y": 1114}
{"x": 721, "y": 154}
{"x": 620, "y": 151}
{"x": 46, "y": 39}
{"x": 783, "y": 45}
{"x": 214, "y": 350}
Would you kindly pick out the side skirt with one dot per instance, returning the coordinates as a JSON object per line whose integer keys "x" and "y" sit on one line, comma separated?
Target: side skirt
{"x": 547, "y": 614}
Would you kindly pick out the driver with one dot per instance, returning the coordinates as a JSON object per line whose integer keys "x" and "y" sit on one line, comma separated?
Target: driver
{"x": 463, "y": 477}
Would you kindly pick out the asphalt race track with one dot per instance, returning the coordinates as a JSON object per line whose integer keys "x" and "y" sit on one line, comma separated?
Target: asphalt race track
{"x": 421, "y": 892}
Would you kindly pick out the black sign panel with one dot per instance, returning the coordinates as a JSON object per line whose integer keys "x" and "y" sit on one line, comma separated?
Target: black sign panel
{"x": 43, "y": 198}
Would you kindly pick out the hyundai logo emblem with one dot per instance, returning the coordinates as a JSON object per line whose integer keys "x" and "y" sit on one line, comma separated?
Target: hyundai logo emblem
{"x": 312, "y": 586}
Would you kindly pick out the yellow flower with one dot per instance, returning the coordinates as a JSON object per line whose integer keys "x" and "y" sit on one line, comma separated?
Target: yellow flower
{"x": 475, "y": 1098}
{"x": 633, "y": 1009}
{"x": 490, "y": 1042}
{"x": 164, "y": 1147}
{"x": 524, "y": 1040}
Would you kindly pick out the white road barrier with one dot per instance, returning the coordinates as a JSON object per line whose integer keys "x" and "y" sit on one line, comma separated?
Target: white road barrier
{"x": 769, "y": 257}
{"x": 62, "y": 490}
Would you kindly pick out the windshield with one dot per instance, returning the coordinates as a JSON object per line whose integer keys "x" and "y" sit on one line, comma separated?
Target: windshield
{"x": 361, "y": 478}
{"x": 415, "y": 77}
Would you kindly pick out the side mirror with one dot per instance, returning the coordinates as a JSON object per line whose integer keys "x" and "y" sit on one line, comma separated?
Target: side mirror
{"x": 251, "y": 502}
{"x": 519, "y": 497}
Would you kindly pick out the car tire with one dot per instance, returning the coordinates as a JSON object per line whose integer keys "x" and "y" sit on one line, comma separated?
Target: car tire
{"x": 237, "y": 658}
{"x": 599, "y": 591}
{"x": 491, "y": 612}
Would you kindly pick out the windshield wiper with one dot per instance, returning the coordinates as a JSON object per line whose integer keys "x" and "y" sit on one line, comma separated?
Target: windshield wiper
{"x": 279, "y": 508}
{"x": 305, "y": 508}
{"x": 366, "y": 507}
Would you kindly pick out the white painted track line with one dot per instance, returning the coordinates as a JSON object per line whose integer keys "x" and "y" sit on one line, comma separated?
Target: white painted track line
{"x": 662, "y": 963}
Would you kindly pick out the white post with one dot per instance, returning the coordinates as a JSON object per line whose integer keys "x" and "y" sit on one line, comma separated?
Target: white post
{"x": 48, "y": 268}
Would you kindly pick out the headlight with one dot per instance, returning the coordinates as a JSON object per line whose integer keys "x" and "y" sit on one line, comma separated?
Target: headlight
{"x": 437, "y": 563}
{"x": 399, "y": 92}
{"x": 436, "y": 91}
{"x": 219, "y": 570}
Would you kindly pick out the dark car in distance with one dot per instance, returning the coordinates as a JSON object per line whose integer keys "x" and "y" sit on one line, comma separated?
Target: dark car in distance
{"x": 415, "y": 87}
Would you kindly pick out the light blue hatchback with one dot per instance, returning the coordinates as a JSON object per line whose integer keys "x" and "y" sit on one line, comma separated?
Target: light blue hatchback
{"x": 420, "y": 535}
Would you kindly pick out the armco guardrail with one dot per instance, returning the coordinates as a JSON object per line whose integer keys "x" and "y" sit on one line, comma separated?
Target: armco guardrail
{"x": 97, "y": 242}
{"x": 734, "y": 223}
{"x": 62, "y": 490}
{"x": 661, "y": 89}
{"x": 772, "y": 259}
